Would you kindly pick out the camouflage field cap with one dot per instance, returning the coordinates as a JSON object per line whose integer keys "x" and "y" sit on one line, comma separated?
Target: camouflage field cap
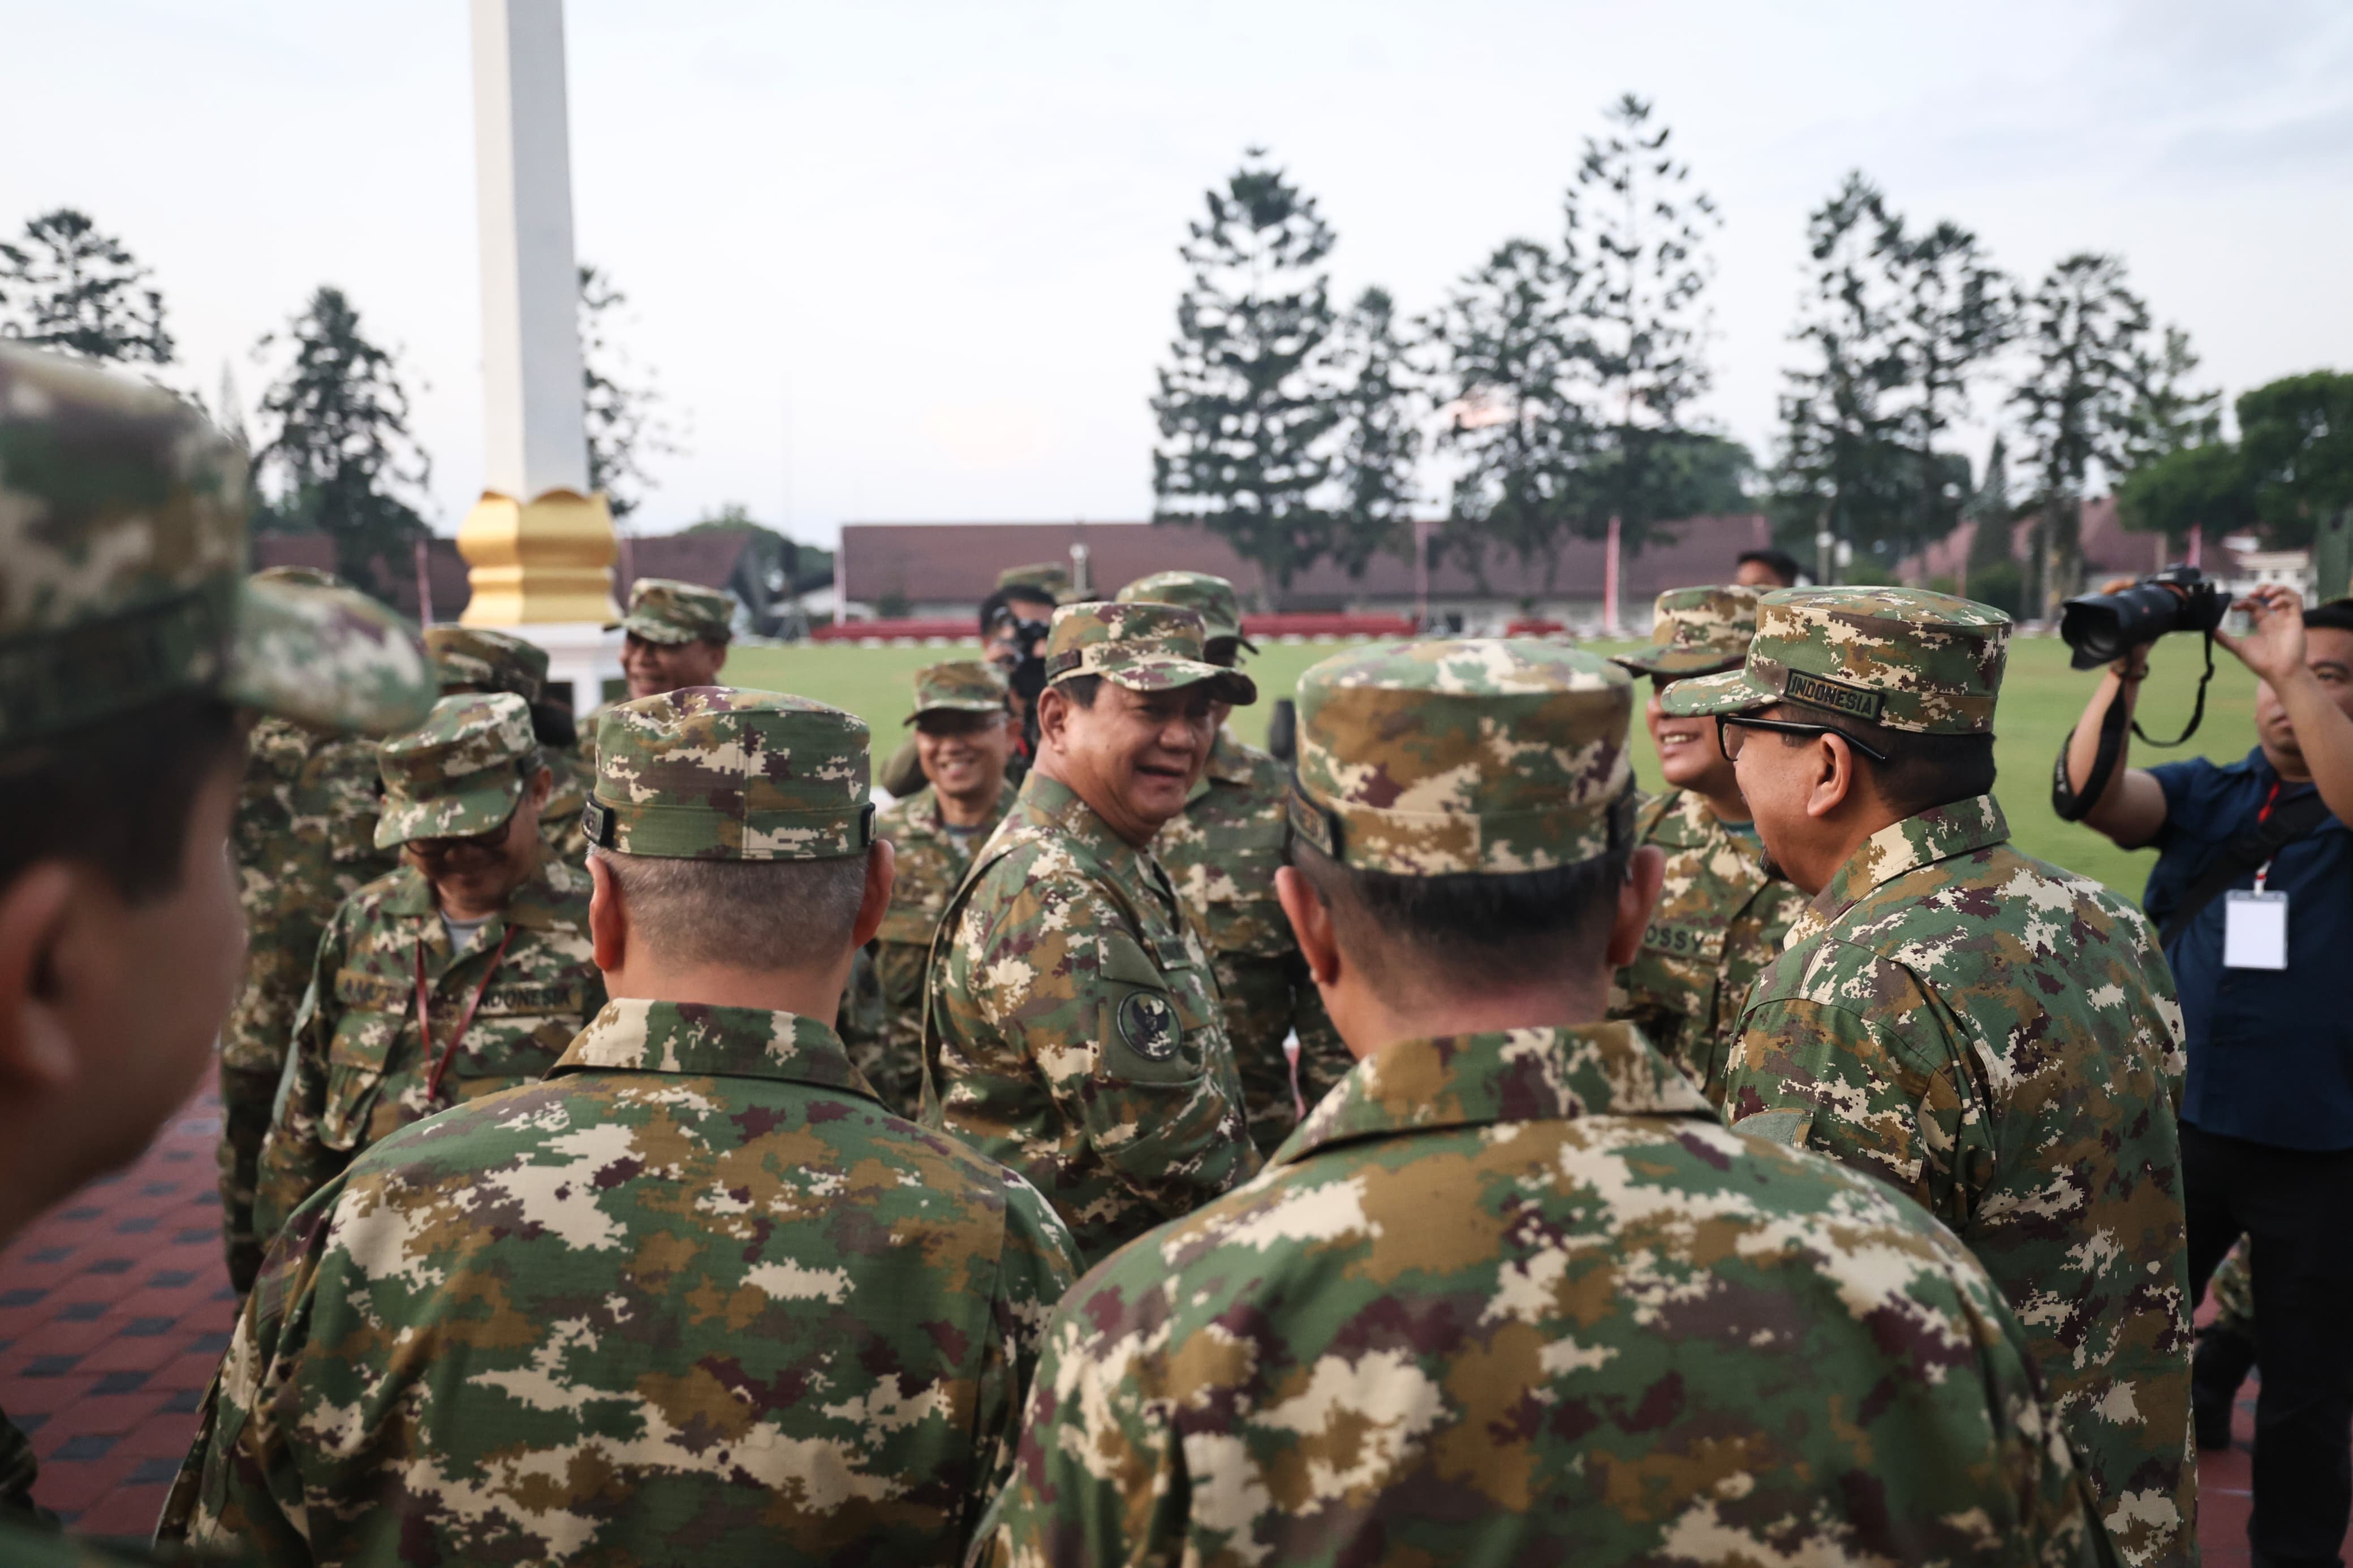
{"x": 664, "y": 610}
{"x": 1695, "y": 631}
{"x": 300, "y": 576}
{"x": 1051, "y": 578}
{"x": 711, "y": 773}
{"x": 1904, "y": 657}
{"x": 122, "y": 540}
{"x": 958, "y": 686}
{"x": 1210, "y": 597}
{"x": 485, "y": 660}
{"x": 457, "y": 774}
{"x": 1143, "y": 647}
{"x": 1487, "y": 755}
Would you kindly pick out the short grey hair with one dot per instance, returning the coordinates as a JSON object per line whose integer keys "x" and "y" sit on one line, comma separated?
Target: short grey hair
{"x": 756, "y": 915}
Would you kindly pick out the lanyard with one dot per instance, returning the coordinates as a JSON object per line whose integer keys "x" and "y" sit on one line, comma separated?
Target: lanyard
{"x": 465, "y": 1020}
{"x": 2262, "y": 816}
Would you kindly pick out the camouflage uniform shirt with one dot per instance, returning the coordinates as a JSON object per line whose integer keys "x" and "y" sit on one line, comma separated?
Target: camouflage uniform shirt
{"x": 304, "y": 840}
{"x": 1515, "y": 1297}
{"x": 1998, "y": 1039}
{"x": 932, "y": 859}
{"x": 1073, "y": 1030}
{"x": 694, "y": 1298}
{"x": 358, "y": 1070}
{"x": 1720, "y": 920}
{"x": 1221, "y": 852}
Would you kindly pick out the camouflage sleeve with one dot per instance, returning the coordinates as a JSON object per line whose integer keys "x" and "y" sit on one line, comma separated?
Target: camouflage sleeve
{"x": 1825, "y": 1076}
{"x": 1040, "y": 1265}
{"x": 294, "y": 1162}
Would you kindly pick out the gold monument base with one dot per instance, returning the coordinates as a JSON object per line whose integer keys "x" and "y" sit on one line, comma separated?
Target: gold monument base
{"x": 547, "y": 558}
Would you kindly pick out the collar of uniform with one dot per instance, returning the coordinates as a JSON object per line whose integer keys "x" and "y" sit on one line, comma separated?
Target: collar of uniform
{"x": 1046, "y": 801}
{"x": 1937, "y": 834}
{"x": 1510, "y": 1074}
{"x": 552, "y": 897}
{"x": 696, "y": 1039}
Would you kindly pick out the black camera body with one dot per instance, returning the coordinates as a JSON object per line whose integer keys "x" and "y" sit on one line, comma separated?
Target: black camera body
{"x": 2103, "y": 627}
{"x": 1028, "y": 677}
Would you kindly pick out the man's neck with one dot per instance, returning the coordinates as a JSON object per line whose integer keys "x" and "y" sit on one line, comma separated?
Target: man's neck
{"x": 969, "y": 810}
{"x": 1050, "y": 763}
{"x": 1556, "y": 1006}
{"x": 2290, "y": 766}
{"x": 802, "y": 992}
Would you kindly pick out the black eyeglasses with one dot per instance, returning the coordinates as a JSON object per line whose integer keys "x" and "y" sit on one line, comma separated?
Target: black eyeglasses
{"x": 1730, "y": 725}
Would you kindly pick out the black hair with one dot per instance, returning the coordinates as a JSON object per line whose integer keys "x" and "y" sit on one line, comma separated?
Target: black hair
{"x": 1002, "y": 601}
{"x": 2337, "y": 615}
{"x": 1781, "y": 562}
{"x": 1081, "y": 689}
{"x": 117, "y": 795}
{"x": 1922, "y": 771}
{"x": 1474, "y": 932}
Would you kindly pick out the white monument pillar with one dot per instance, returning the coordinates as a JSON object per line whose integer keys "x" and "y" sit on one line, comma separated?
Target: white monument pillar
{"x": 540, "y": 543}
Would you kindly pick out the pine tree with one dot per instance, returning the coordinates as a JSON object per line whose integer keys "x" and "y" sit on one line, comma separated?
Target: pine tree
{"x": 621, "y": 411}
{"x": 1380, "y": 437}
{"x": 1637, "y": 296}
{"x": 1246, "y": 404}
{"x": 1507, "y": 362}
{"x": 339, "y": 456}
{"x": 67, "y": 287}
{"x": 2087, "y": 332}
{"x": 1843, "y": 465}
{"x": 1953, "y": 309}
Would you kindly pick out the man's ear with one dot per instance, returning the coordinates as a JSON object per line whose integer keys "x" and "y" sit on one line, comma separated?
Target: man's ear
{"x": 542, "y": 784}
{"x": 719, "y": 663}
{"x": 37, "y": 1046}
{"x": 1053, "y": 708}
{"x": 1310, "y": 922}
{"x": 608, "y": 921}
{"x": 1836, "y": 781}
{"x": 1638, "y": 895}
{"x": 882, "y": 871}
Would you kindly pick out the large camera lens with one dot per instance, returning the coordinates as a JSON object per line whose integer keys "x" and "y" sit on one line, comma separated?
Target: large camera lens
{"x": 2103, "y": 627}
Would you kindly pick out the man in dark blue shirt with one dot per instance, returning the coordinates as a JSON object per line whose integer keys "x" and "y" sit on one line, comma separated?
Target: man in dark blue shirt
{"x": 2267, "y": 1114}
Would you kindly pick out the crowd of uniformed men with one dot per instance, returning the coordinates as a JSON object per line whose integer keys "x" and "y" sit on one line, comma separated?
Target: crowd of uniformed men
{"x": 1123, "y": 1148}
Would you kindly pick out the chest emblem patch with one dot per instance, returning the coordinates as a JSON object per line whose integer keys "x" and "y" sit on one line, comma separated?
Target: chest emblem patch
{"x": 1147, "y": 1024}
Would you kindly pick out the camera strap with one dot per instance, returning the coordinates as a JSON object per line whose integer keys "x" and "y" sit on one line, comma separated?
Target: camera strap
{"x": 2241, "y": 855}
{"x": 2070, "y": 803}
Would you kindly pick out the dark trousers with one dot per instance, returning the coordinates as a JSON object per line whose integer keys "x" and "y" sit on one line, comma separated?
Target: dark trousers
{"x": 2296, "y": 1209}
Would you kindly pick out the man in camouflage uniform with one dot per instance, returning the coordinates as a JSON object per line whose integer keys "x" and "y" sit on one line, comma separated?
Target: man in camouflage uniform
{"x": 1722, "y": 910}
{"x": 477, "y": 659}
{"x": 132, "y": 640}
{"x": 1995, "y": 1038}
{"x": 481, "y": 927}
{"x": 964, "y": 734}
{"x": 696, "y": 1298}
{"x": 304, "y": 840}
{"x": 2226, "y": 1348}
{"x": 1511, "y": 1295}
{"x": 1221, "y": 852}
{"x": 677, "y": 635}
{"x": 1073, "y": 1029}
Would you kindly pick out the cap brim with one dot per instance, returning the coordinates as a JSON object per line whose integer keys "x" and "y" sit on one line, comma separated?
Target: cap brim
{"x": 460, "y": 814}
{"x": 329, "y": 656}
{"x": 1168, "y": 674}
{"x": 653, "y": 631}
{"x": 1730, "y": 692}
{"x": 1664, "y": 660}
{"x": 974, "y": 707}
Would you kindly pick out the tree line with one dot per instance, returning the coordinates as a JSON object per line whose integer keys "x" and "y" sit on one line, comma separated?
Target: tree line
{"x": 1552, "y": 390}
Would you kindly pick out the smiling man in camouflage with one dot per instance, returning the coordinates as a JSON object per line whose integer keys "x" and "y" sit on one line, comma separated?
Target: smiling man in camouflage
{"x": 1222, "y": 851}
{"x": 697, "y": 1298}
{"x": 477, "y": 659}
{"x": 1074, "y": 1031}
{"x": 1511, "y": 1295}
{"x": 481, "y": 930}
{"x": 1722, "y": 910}
{"x": 1993, "y": 1036}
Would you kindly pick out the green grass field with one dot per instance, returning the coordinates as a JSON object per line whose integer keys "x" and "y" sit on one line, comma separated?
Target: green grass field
{"x": 2039, "y": 700}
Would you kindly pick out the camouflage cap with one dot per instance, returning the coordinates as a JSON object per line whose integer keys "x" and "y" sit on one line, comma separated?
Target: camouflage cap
{"x": 960, "y": 685}
{"x": 486, "y": 660}
{"x": 300, "y": 576}
{"x": 710, "y": 773}
{"x": 1143, "y": 647}
{"x": 1904, "y": 657}
{"x": 457, "y": 774}
{"x": 1210, "y": 597}
{"x": 1695, "y": 631}
{"x": 1434, "y": 759}
{"x": 1051, "y": 578}
{"x": 664, "y": 610}
{"x": 122, "y": 540}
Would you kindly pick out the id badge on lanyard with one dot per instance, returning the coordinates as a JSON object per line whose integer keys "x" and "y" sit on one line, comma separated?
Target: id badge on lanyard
{"x": 2254, "y": 927}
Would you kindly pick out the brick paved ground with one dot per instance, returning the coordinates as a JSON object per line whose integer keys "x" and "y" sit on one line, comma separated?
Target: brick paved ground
{"x": 115, "y": 1309}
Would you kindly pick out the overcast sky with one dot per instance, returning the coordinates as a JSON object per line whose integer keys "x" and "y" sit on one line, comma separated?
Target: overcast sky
{"x": 904, "y": 262}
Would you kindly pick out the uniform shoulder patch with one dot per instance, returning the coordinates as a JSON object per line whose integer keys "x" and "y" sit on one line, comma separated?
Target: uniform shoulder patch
{"x": 1147, "y": 1026}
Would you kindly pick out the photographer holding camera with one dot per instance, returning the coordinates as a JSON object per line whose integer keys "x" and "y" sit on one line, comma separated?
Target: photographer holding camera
{"x": 2252, "y": 893}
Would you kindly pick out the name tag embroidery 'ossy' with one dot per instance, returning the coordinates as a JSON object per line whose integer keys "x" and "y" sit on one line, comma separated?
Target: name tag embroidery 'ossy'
{"x": 1147, "y": 1024}
{"x": 1856, "y": 701}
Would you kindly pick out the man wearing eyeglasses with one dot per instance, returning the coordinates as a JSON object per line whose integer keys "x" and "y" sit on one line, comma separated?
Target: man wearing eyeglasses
{"x": 465, "y": 971}
{"x": 1992, "y": 1035}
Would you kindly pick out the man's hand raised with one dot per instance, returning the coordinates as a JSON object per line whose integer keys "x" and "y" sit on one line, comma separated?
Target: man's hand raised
{"x": 2274, "y": 646}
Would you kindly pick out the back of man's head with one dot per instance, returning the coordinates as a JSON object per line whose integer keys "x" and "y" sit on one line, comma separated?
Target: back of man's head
{"x": 738, "y": 825}
{"x": 1465, "y": 810}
